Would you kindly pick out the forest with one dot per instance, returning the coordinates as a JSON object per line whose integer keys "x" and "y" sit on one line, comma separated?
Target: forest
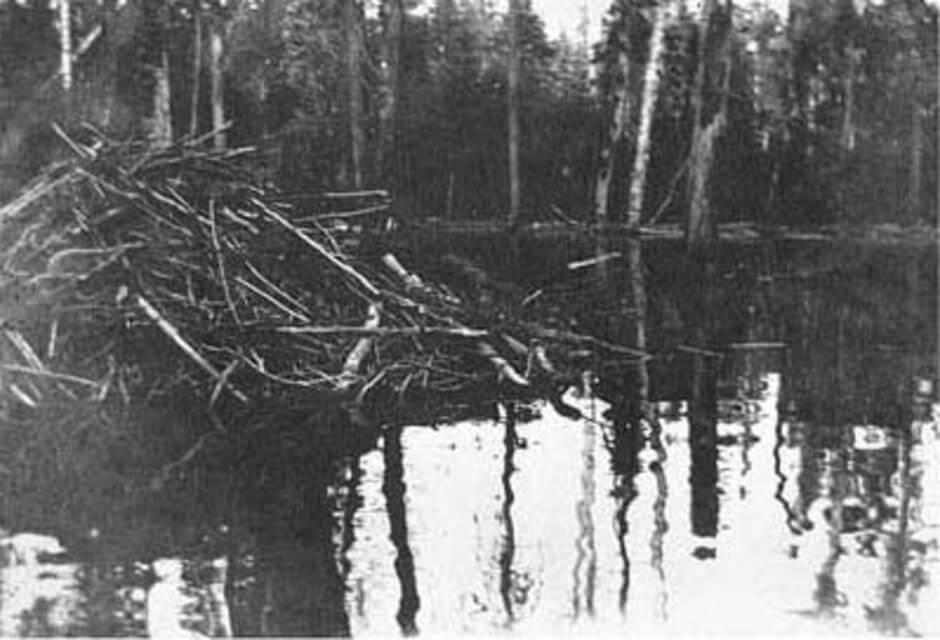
{"x": 312, "y": 307}
{"x": 467, "y": 110}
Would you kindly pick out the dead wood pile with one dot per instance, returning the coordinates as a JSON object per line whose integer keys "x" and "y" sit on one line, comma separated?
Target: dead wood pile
{"x": 131, "y": 272}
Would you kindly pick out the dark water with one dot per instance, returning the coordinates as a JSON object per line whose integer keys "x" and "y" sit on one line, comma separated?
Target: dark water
{"x": 786, "y": 479}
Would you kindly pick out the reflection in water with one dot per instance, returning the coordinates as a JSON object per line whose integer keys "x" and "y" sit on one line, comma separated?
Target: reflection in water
{"x": 808, "y": 497}
{"x": 624, "y": 453}
{"x": 394, "y": 490}
{"x": 703, "y": 421}
{"x": 288, "y": 581}
{"x": 888, "y": 615}
{"x": 585, "y": 566}
{"x": 349, "y": 502}
{"x": 703, "y": 476}
{"x": 508, "y": 552}
{"x": 924, "y": 510}
{"x": 787, "y": 457}
{"x": 660, "y": 525}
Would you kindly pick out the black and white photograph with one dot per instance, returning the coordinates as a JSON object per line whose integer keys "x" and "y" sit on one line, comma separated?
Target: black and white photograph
{"x": 469, "y": 318}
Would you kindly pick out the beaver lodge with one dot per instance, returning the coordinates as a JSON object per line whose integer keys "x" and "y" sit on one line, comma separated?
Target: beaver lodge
{"x": 133, "y": 274}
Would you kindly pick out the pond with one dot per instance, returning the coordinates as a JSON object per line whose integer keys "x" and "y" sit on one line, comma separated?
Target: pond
{"x": 782, "y": 476}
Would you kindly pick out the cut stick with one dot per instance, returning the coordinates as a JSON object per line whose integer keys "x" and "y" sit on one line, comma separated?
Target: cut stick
{"x": 483, "y": 348}
{"x": 266, "y": 296}
{"x": 25, "y": 349}
{"x": 379, "y": 193}
{"x": 356, "y": 357}
{"x": 23, "y": 397}
{"x": 299, "y": 306}
{"x": 217, "y": 247}
{"x": 339, "y": 215}
{"x": 581, "y": 264}
{"x": 502, "y": 365}
{"x": 517, "y": 346}
{"x": 44, "y": 373}
{"x": 319, "y": 248}
{"x": 34, "y": 193}
{"x": 570, "y": 336}
{"x": 456, "y": 332}
{"x": 186, "y": 348}
{"x": 540, "y": 354}
{"x": 408, "y": 278}
{"x": 757, "y": 345}
{"x": 53, "y": 336}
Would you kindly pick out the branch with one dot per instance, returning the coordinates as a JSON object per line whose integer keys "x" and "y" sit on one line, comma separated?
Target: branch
{"x": 319, "y": 248}
{"x": 174, "y": 335}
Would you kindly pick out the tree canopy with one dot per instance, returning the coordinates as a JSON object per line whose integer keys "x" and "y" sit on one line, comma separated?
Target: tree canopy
{"x": 829, "y": 114}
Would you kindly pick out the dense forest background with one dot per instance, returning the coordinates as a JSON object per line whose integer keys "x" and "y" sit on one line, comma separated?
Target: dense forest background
{"x": 825, "y": 115}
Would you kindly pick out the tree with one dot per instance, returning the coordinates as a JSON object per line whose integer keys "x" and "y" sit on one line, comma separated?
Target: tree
{"x": 393, "y": 17}
{"x": 65, "y": 42}
{"x": 618, "y": 125}
{"x": 915, "y": 189}
{"x": 197, "y": 69}
{"x": 162, "y": 120}
{"x": 217, "y": 84}
{"x": 651, "y": 81}
{"x": 710, "y": 119}
{"x": 513, "y": 112}
{"x": 156, "y": 22}
{"x": 352, "y": 28}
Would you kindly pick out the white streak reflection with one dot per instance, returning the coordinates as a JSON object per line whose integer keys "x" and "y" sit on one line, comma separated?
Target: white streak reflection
{"x": 504, "y": 538}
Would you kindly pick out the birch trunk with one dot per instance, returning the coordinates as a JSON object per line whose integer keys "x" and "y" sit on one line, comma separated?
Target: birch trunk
{"x": 217, "y": 87}
{"x": 65, "y": 43}
{"x": 197, "y": 64}
{"x": 513, "y": 115}
{"x": 354, "y": 86}
{"x": 619, "y": 120}
{"x": 651, "y": 83}
{"x": 161, "y": 124}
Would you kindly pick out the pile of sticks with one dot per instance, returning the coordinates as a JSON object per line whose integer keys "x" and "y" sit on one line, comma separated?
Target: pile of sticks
{"x": 130, "y": 272}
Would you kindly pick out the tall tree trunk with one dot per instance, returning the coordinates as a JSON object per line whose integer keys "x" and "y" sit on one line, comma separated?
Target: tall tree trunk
{"x": 354, "y": 85}
{"x": 515, "y": 64}
{"x": 197, "y": 66}
{"x": 268, "y": 18}
{"x": 651, "y": 83}
{"x": 217, "y": 86}
{"x": 388, "y": 111}
{"x": 619, "y": 120}
{"x": 797, "y": 76}
{"x": 707, "y": 129}
{"x": 915, "y": 188}
{"x": 162, "y": 124}
{"x": 65, "y": 43}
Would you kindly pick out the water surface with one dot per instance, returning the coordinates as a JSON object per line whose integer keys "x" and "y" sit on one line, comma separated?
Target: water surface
{"x": 773, "y": 468}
